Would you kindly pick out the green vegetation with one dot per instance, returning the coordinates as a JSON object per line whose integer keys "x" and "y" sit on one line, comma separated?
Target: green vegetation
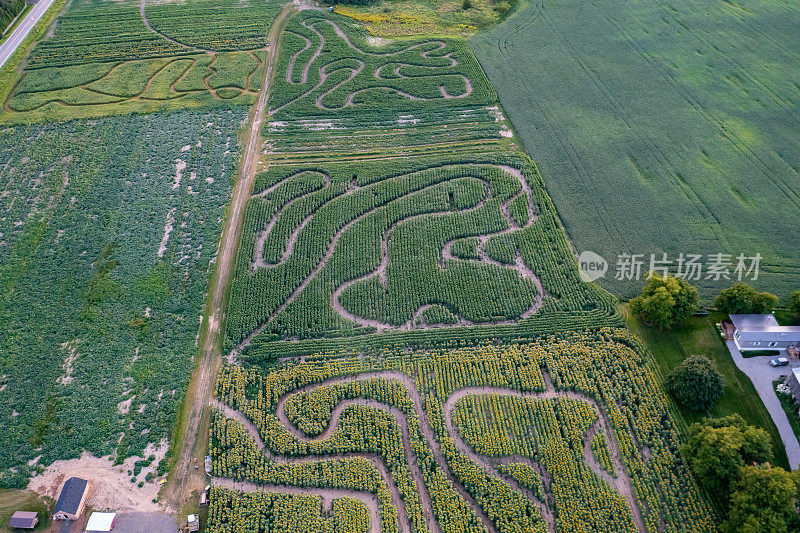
{"x": 665, "y": 301}
{"x": 731, "y": 460}
{"x": 661, "y": 127}
{"x": 24, "y": 500}
{"x": 9, "y": 9}
{"x": 794, "y": 304}
{"x": 791, "y": 409}
{"x": 326, "y": 250}
{"x": 695, "y": 383}
{"x": 764, "y": 499}
{"x": 742, "y": 298}
{"x": 717, "y": 448}
{"x": 284, "y": 513}
{"x": 423, "y": 435}
{"x": 107, "y": 235}
{"x": 393, "y": 18}
{"x": 698, "y": 336}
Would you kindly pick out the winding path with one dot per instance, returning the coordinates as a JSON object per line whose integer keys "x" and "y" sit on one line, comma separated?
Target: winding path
{"x": 622, "y": 483}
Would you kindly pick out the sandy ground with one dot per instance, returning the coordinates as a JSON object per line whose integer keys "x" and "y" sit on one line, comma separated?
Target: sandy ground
{"x": 111, "y": 485}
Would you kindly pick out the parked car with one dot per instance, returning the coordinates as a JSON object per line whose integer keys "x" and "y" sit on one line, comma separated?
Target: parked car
{"x": 779, "y": 361}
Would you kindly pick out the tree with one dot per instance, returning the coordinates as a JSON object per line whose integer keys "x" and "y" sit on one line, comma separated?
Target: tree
{"x": 763, "y": 499}
{"x": 741, "y": 298}
{"x": 665, "y": 301}
{"x": 695, "y": 383}
{"x": 718, "y": 447}
{"x": 794, "y": 303}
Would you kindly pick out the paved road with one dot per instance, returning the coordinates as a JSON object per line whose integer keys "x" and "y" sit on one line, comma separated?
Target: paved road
{"x": 762, "y": 375}
{"x": 21, "y": 31}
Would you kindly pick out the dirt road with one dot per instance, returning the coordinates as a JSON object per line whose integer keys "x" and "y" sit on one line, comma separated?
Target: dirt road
{"x": 190, "y": 443}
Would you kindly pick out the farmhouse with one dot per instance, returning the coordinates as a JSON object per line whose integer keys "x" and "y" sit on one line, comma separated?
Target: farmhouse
{"x": 72, "y": 499}
{"x": 23, "y": 520}
{"x": 762, "y": 332}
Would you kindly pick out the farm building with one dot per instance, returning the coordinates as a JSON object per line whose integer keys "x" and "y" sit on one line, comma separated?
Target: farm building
{"x": 23, "y": 520}
{"x": 101, "y": 522}
{"x": 793, "y": 382}
{"x": 762, "y": 332}
{"x": 72, "y": 499}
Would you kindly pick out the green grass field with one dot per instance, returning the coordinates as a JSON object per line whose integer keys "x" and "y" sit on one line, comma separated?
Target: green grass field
{"x": 661, "y": 126}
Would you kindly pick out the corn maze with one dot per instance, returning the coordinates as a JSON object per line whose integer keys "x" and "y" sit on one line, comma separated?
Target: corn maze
{"x": 327, "y": 66}
{"x": 543, "y": 437}
{"x": 114, "y": 57}
{"x": 353, "y": 248}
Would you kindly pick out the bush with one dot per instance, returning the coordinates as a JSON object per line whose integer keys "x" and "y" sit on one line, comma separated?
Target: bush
{"x": 665, "y": 301}
{"x": 696, "y": 383}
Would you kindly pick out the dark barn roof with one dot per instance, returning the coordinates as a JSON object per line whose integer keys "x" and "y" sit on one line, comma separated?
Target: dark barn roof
{"x": 70, "y": 498}
{"x": 23, "y": 520}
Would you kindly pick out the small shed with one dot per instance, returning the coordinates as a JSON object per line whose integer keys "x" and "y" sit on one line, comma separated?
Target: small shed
{"x": 204, "y": 498}
{"x": 72, "y": 499}
{"x": 23, "y": 520}
{"x": 208, "y": 464}
{"x": 101, "y": 522}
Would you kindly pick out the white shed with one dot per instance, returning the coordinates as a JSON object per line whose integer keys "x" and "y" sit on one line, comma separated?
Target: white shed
{"x": 101, "y": 522}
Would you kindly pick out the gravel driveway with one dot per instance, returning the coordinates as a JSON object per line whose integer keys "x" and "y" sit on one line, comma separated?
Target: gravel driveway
{"x": 762, "y": 375}
{"x": 145, "y": 523}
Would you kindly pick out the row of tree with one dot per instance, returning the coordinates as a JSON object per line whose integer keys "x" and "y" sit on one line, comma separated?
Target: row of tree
{"x": 667, "y": 301}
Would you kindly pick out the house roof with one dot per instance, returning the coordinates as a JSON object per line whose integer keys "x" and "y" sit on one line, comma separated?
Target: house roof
{"x": 761, "y": 323}
{"x": 101, "y": 522}
{"x": 23, "y": 519}
{"x": 71, "y": 495}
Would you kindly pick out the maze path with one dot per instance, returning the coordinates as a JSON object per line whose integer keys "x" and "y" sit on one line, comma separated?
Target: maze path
{"x": 622, "y": 483}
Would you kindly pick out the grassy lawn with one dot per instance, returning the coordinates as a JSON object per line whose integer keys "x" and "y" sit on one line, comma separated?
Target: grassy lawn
{"x": 23, "y": 500}
{"x": 699, "y": 337}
